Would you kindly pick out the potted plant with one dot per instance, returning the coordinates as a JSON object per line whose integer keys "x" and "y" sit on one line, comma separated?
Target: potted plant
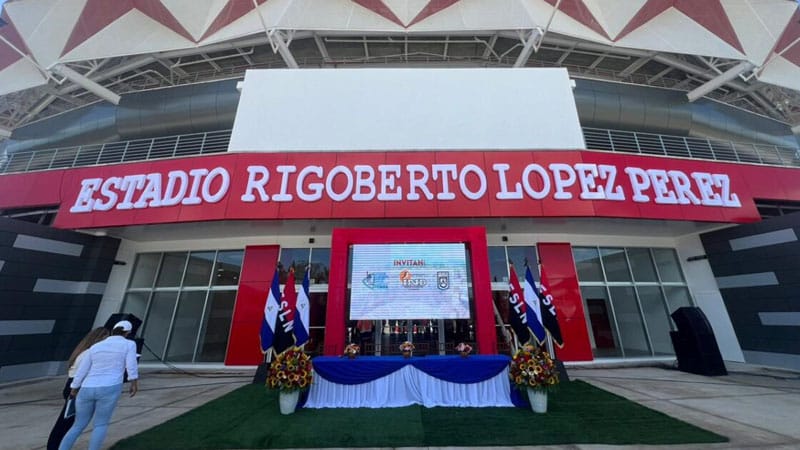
{"x": 533, "y": 370}
{"x": 351, "y": 350}
{"x": 406, "y": 348}
{"x": 290, "y": 373}
{"x": 463, "y": 349}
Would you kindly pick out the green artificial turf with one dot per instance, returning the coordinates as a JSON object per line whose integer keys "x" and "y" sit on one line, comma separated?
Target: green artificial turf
{"x": 579, "y": 413}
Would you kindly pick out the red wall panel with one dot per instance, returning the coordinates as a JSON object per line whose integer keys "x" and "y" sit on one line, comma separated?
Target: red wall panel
{"x": 258, "y": 269}
{"x": 556, "y": 259}
{"x": 475, "y": 239}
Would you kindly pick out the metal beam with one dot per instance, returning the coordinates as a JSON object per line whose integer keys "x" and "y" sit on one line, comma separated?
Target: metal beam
{"x": 86, "y": 83}
{"x": 490, "y": 47}
{"x": 210, "y": 61}
{"x": 660, "y": 57}
{"x": 323, "y": 50}
{"x": 5, "y": 133}
{"x": 281, "y": 46}
{"x": 720, "y": 80}
{"x": 276, "y": 41}
{"x": 597, "y": 61}
{"x": 530, "y": 45}
{"x": 636, "y": 65}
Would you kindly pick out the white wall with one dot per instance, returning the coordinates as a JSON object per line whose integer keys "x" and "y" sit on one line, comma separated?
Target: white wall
{"x": 698, "y": 274}
{"x": 382, "y": 109}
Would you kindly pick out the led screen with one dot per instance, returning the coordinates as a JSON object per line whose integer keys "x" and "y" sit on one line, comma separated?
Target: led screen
{"x": 409, "y": 281}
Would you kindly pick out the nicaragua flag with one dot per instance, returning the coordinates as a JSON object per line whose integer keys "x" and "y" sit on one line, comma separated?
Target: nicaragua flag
{"x": 284, "y": 333}
{"x": 517, "y": 316}
{"x": 549, "y": 315}
{"x": 534, "y": 308}
{"x": 301, "y": 328}
{"x": 270, "y": 314}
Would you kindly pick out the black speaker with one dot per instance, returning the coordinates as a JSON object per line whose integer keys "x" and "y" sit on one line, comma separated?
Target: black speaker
{"x": 695, "y": 345}
{"x": 114, "y": 318}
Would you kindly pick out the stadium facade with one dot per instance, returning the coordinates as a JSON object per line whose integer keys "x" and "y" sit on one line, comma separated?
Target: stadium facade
{"x": 644, "y": 153}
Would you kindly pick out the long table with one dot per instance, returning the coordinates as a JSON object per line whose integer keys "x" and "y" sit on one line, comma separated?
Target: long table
{"x": 393, "y": 381}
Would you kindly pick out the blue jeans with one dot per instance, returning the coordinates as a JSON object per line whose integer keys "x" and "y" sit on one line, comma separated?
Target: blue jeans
{"x": 92, "y": 401}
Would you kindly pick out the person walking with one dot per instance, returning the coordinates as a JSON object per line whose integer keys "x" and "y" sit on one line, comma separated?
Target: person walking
{"x": 62, "y": 424}
{"x": 97, "y": 385}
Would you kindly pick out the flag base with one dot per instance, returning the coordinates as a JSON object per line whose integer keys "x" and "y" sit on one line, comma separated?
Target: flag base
{"x": 562, "y": 371}
{"x": 261, "y": 374}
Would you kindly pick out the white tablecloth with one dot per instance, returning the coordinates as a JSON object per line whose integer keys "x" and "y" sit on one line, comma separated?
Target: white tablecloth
{"x": 409, "y": 386}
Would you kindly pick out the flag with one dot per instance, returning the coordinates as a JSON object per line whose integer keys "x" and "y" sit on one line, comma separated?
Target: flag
{"x": 533, "y": 307}
{"x": 270, "y": 314}
{"x": 548, "y": 310}
{"x": 517, "y": 316}
{"x": 301, "y": 329}
{"x": 284, "y": 334}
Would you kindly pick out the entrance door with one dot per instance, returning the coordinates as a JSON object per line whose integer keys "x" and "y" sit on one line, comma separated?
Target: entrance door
{"x": 429, "y": 336}
{"x": 423, "y": 333}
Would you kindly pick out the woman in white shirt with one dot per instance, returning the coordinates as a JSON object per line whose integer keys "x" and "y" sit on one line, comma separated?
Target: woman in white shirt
{"x": 62, "y": 425}
{"x": 97, "y": 385}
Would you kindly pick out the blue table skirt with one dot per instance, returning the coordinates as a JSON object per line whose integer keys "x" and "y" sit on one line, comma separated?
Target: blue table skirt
{"x": 455, "y": 369}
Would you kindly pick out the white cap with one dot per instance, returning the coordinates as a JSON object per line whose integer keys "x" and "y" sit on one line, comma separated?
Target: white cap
{"x": 124, "y": 324}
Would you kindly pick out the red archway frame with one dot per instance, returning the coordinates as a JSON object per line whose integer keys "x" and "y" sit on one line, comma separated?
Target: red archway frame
{"x": 473, "y": 237}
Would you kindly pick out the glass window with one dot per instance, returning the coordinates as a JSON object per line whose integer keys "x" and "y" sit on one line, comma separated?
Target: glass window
{"x": 144, "y": 272}
{"x": 172, "y": 267}
{"x": 228, "y": 268}
{"x": 629, "y": 321}
{"x": 655, "y": 315}
{"x": 157, "y": 324}
{"x": 616, "y": 264}
{"x": 638, "y": 303}
{"x": 198, "y": 271}
{"x": 521, "y": 256}
{"x": 600, "y": 320}
{"x": 202, "y": 315}
{"x": 296, "y": 258}
{"x": 498, "y": 264}
{"x": 136, "y": 303}
{"x": 677, "y": 296}
{"x": 587, "y": 263}
{"x": 186, "y": 325}
{"x": 316, "y": 341}
{"x": 318, "y": 306}
{"x": 216, "y": 326}
{"x": 642, "y": 265}
{"x": 320, "y": 265}
{"x": 669, "y": 268}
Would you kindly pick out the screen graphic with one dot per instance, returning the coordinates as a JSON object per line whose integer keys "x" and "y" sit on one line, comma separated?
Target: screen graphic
{"x": 409, "y": 281}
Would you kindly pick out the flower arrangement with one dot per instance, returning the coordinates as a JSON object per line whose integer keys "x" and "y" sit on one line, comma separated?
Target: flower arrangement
{"x": 351, "y": 350}
{"x": 406, "y": 346}
{"x": 533, "y": 368}
{"x": 463, "y": 347}
{"x": 290, "y": 371}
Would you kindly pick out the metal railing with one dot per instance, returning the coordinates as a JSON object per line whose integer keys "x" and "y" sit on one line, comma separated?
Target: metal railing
{"x": 118, "y": 152}
{"x": 689, "y": 147}
{"x": 217, "y": 142}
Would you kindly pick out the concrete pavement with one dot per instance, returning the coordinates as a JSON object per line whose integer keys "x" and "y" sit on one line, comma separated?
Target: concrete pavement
{"x": 28, "y": 410}
{"x": 754, "y": 407}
